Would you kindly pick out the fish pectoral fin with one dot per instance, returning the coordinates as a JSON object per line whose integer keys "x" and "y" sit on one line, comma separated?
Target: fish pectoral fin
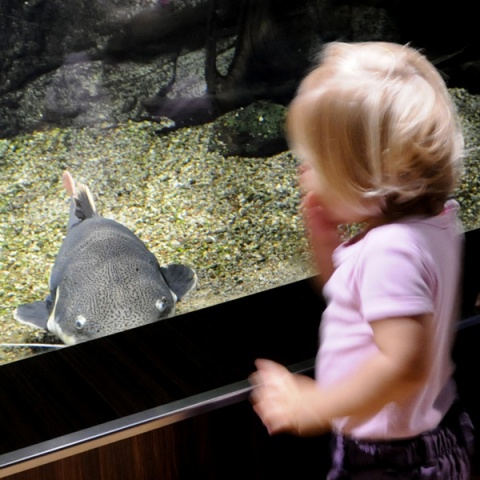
{"x": 34, "y": 314}
{"x": 180, "y": 279}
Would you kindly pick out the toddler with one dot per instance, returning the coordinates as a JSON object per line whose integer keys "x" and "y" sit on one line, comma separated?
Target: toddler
{"x": 380, "y": 145}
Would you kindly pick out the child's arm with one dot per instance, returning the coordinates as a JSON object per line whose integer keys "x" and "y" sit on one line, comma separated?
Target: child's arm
{"x": 295, "y": 404}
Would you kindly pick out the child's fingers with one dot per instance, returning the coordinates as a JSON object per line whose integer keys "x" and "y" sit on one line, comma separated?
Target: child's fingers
{"x": 274, "y": 397}
{"x": 269, "y": 381}
{"x": 310, "y": 200}
{"x": 315, "y": 213}
{"x": 265, "y": 365}
{"x": 321, "y": 229}
{"x": 307, "y": 178}
{"x": 272, "y": 375}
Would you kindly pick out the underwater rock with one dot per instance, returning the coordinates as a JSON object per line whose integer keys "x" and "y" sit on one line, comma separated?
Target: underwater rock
{"x": 128, "y": 54}
{"x": 257, "y": 130}
{"x": 159, "y": 30}
{"x": 267, "y": 62}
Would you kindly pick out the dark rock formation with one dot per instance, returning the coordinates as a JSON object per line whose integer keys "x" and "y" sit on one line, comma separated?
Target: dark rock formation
{"x": 95, "y": 62}
{"x": 256, "y": 130}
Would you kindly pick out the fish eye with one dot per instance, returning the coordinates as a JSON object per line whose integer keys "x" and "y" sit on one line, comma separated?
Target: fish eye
{"x": 80, "y": 321}
{"x": 161, "y": 304}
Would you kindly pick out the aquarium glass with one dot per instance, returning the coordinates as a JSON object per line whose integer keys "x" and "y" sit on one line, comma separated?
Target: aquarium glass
{"x": 172, "y": 113}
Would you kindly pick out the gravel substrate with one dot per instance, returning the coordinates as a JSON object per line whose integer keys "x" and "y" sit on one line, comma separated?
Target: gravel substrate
{"x": 234, "y": 220}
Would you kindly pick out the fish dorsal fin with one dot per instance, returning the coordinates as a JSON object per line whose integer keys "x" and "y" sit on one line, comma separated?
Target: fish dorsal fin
{"x": 84, "y": 204}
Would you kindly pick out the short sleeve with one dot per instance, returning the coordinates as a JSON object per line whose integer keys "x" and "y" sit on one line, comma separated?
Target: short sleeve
{"x": 396, "y": 278}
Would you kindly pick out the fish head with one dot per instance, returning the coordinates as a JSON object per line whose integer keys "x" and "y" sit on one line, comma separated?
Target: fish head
{"x": 81, "y": 313}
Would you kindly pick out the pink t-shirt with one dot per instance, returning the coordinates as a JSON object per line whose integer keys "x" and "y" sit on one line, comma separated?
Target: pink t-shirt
{"x": 401, "y": 269}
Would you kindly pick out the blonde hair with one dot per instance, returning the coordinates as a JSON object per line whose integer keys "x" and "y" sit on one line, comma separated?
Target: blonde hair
{"x": 380, "y": 126}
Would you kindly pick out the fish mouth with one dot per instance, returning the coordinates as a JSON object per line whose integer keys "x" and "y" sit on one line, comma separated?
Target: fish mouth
{"x": 54, "y": 328}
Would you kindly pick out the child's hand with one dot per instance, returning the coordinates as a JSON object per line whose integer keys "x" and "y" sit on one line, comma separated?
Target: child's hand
{"x": 306, "y": 178}
{"x": 320, "y": 227}
{"x": 284, "y": 401}
{"x": 322, "y": 234}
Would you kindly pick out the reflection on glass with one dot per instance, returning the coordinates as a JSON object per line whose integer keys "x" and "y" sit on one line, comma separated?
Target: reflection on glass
{"x": 172, "y": 112}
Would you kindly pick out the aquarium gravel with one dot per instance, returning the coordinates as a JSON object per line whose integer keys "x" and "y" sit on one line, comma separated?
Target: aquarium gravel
{"x": 234, "y": 220}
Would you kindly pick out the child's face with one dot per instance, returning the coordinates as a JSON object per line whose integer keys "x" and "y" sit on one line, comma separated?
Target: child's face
{"x": 339, "y": 210}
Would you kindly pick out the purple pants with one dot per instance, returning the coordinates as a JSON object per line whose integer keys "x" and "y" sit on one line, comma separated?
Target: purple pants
{"x": 441, "y": 454}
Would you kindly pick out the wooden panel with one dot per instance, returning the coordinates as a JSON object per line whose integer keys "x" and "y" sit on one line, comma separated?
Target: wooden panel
{"x": 226, "y": 444}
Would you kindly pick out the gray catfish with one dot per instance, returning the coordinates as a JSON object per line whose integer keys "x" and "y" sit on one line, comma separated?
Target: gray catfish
{"x": 104, "y": 279}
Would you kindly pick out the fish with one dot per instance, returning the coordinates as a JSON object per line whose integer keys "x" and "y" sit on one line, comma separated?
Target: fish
{"x": 104, "y": 279}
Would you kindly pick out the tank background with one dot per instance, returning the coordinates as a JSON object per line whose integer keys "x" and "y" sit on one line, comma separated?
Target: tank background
{"x": 199, "y": 194}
